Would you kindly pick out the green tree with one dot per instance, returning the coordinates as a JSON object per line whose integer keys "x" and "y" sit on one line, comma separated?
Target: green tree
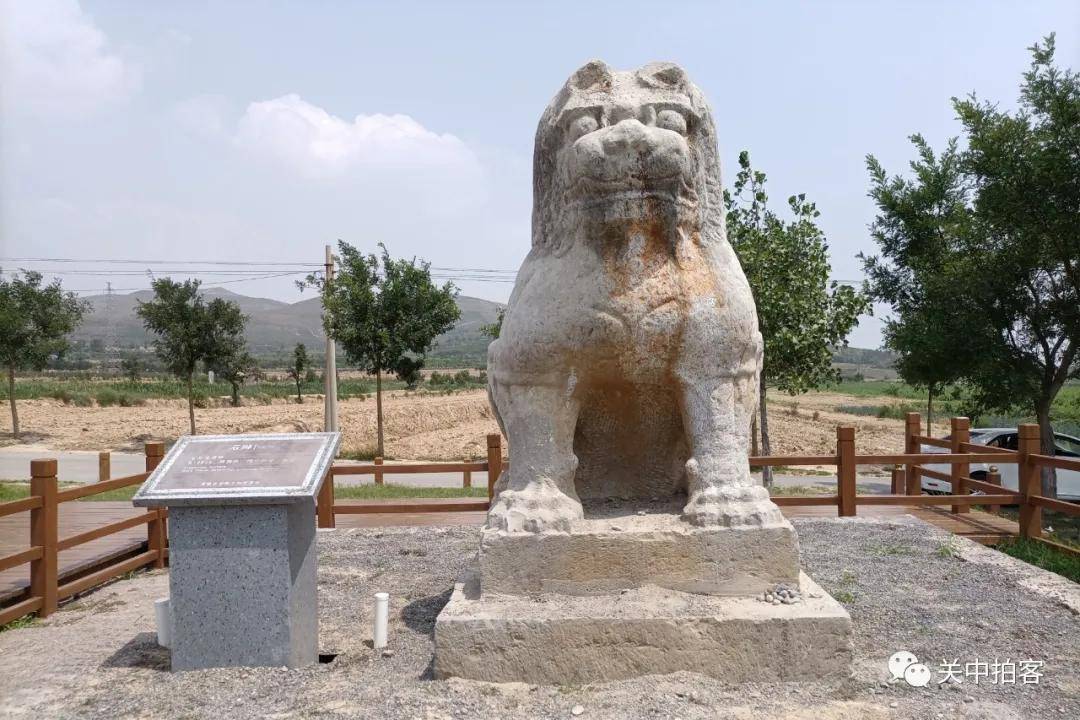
{"x": 919, "y": 221}
{"x": 190, "y": 330}
{"x": 382, "y": 310}
{"x": 34, "y": 320}
{"x": 233, "y": 363}
{"x": 1015, "y": 265}
{"x": 131, "y": 367}
{"x": 299, "y": 365}
{"x": 492, "y": 330}
{"x": 408, "y": 371}
{"x": 801, "y": 314}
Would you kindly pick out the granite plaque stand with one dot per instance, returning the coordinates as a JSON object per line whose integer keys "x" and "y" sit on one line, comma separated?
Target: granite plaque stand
{"x": 242, "y": 560}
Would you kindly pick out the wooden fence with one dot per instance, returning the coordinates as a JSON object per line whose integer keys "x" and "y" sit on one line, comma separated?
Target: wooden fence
{"x": 45, "y": 497}
{"x": 43, "y": 504}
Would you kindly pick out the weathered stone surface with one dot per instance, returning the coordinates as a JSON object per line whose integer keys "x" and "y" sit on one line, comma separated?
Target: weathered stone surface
{"x": 576, "y": 640}
{"x": 628, "y": 361}
{"x": 242, "y": 581}
{"x": 626, "y": 372}
{"x": 608, "y": 554}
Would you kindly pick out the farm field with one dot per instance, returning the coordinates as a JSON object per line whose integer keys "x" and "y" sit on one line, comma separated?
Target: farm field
{"x": 419, "y": 425}
{"x": 446, "y": 419}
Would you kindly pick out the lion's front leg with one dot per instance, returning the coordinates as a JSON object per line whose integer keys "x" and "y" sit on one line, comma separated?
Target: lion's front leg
{"x": 539, "y": 493}
{"x": 716, "y": 417}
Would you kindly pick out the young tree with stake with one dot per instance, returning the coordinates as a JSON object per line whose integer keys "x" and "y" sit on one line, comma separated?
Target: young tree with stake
{"x": 34, "y": 320}
{"x": 383, "y": 310}
{"x": 299, "y": 365}
{"x": 189, "y": 330}
{"x": 801, "y": 315}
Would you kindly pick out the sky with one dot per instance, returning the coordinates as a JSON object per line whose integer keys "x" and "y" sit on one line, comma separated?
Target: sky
{"x": 170, "y": 134}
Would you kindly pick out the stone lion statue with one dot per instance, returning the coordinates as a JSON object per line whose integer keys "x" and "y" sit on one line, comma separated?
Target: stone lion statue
{"x": 629, "y": 356}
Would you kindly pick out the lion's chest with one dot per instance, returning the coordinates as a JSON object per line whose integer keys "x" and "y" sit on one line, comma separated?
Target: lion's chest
{"x": 649, "y": 279}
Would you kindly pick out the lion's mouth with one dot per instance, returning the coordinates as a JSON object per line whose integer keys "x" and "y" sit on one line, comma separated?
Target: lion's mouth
{"x": 591, "y": 191}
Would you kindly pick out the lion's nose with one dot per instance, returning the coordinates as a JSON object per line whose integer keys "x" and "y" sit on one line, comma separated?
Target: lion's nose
{"x": 629, "y": 134}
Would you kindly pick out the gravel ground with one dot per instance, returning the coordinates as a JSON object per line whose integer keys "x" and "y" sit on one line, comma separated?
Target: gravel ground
{"x": 908, "y": 587}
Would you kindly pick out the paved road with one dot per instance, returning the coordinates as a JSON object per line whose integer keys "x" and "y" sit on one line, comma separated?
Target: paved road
{"x": 72, "y": 466}
{"x": 82, "y": 467}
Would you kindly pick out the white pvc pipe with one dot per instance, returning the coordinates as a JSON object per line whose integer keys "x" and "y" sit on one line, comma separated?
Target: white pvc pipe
{"x": 382, "y": 615}
{"x": 163, "y": 618}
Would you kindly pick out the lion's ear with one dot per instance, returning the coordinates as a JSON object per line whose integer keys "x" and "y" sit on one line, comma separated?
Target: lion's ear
{"x": 593, "y": 76}
{"x": 663, "y": 75}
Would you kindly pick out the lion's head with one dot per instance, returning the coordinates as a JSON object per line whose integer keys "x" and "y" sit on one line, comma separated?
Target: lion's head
{"x": 614, "y": 146}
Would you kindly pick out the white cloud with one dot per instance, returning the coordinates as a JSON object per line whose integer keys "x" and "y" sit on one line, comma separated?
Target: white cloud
{"x": 320, "y": 145}
{"x": 56, "y": 61}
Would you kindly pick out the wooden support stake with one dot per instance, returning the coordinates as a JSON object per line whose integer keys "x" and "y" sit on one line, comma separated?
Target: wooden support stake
{"x": 378, "y": 471}
{"x": 466, "y": 476}
{"x": 911, "y": 446}
{"x": 156, "y": 532}
{"x": 960, "y": 432}
{"x": 845, "y": 469}
{"x": 494, "y": 458}
{"x": 43, "y": 521}
{"x": 324, "y": 508}
{"x": 104, "y": 465}
{"x": 1030, "y": 481}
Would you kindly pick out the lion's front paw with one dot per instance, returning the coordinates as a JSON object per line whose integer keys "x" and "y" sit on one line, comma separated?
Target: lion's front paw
{"x": 534, "y": 509}
{"x": 743, "y": 506}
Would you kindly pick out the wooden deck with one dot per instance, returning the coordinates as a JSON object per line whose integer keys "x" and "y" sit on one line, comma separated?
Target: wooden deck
{"x": 78, "y": 517}
{"x": 74, "y": 517}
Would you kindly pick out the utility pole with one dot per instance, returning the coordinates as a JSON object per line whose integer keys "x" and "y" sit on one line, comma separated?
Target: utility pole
{"x": 330, "y": 422}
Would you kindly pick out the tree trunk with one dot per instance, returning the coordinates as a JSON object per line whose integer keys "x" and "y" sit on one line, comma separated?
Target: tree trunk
{"x": 299, "y": 397}
{"x": 753, "y": 435}
{"x": 1046, "y": 443}
{"x": 929, "y": 409}
{"x": 191, "y": 402}
{"x": 236, "y": 394}
{"x": 766, "y": 471}
{"x": 378, "y": 410}
{"x": 11, "y": 399}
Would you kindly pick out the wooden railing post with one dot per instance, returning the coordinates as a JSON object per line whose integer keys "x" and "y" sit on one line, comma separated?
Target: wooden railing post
{"x": 43, "y": 530}
{"x": 994, "y": 478}
{"x": 466, "y": 476}
{"x": 156, "y": 533}
{"x": 1030, "y": 481}
{"x": 378, "y": 471}
{"x": 912, "y": 421}
{"x": 960, "y": 432}
{"x": 898, "y": 486}
{"x": 104, "y": 465}
{"x": 494, "y": 459}
{"x": 845, "y": 469}
{"x": 324, "y": 508}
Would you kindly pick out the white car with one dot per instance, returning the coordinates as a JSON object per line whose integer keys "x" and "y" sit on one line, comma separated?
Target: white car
{"x": 1068, "y": 481}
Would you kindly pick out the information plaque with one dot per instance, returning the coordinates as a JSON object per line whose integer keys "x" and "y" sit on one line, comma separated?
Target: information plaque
{"x": 240, "y": 469}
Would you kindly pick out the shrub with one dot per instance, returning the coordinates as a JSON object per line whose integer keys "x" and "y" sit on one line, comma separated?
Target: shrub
{"x": 108, "y": 397}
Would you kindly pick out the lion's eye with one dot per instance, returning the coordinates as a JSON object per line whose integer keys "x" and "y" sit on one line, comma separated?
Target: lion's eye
{"x": 582, "y": 126}
{"x": 671, "y": 120}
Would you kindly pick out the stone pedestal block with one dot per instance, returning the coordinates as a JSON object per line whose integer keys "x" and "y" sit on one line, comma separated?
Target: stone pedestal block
{"x": 566, "y": 639}
{"x": 608, "y": 554}
{"x": 242, "y": 582}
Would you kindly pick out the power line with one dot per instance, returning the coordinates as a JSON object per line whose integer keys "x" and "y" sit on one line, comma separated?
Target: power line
{"x": 158, "y": 262}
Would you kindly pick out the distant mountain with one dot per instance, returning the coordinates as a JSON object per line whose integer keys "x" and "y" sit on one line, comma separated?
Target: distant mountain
{"x": 274, "y": 327}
